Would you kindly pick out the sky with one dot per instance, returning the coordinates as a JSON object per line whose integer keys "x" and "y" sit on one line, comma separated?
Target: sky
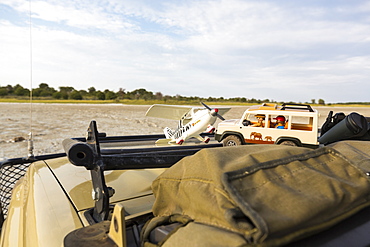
{"x": 264, "y": 49}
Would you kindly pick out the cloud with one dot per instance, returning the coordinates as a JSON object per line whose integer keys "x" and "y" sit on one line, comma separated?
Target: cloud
{"x": 259, "y": 49}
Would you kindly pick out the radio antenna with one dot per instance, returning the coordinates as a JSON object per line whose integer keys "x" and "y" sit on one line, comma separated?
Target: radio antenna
{"x": 30, "y": 137}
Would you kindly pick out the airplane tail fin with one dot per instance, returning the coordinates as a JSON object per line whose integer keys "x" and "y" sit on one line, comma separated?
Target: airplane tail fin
{"x": 168, "y": 132}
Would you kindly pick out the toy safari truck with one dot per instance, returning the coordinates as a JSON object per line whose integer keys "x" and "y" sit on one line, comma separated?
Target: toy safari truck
{"x": 288, "y": 124}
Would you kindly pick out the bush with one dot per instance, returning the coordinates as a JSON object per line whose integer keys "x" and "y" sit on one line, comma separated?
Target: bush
{"x": 3, "y": 91}
{"x": 75, "y": 95}
{"x": 57, "y": 95}
{"x": 100, "y": 95}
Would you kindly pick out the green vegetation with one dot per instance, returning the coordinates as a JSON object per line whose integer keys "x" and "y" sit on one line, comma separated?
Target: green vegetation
{"x": 46, "y": 94}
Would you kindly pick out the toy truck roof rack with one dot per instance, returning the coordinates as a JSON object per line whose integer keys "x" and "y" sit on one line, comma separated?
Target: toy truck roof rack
{"x": 283, "y": 107}
{"x": 293, "y": 106}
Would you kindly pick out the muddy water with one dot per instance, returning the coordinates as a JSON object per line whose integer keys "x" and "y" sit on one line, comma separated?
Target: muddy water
{"x": 52, "y": 123}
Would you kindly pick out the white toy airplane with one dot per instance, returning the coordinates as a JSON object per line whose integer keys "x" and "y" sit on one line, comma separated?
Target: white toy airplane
{"x": 193, "y": 121}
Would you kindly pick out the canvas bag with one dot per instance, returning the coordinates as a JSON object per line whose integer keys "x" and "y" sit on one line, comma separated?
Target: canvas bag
{"x": 260, "y": 195}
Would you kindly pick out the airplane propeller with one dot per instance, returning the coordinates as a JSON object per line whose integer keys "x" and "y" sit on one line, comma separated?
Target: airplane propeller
{"x": 214, "y": 112}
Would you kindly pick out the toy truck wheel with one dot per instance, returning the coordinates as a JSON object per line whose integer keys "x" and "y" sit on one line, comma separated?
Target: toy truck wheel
{"x": 288, "y": 143}
{"x": 231, "y": 140}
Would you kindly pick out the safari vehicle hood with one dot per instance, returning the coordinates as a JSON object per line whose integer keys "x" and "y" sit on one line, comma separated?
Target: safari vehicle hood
{"x": 56, "y": 194}
{"x": 49, "y": 201}
{"x": 76, "y": 182}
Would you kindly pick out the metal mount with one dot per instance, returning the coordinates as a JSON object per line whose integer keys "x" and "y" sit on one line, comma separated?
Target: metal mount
{"x": 87, "y": 153}
{"x": 101, "y": 192}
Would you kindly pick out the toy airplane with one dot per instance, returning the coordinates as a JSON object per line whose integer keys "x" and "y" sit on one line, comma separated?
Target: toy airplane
{"x": 193, "y": 121}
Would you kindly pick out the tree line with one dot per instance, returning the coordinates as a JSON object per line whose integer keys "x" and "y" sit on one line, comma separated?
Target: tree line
{"x": 44, "y": 91}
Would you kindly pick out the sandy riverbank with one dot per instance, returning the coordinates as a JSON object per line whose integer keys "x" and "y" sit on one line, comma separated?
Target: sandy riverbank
{"x": 52, "y": 123}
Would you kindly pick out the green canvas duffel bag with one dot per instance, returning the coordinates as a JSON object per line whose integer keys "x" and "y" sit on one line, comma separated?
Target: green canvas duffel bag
{"x": 259, "y": 195}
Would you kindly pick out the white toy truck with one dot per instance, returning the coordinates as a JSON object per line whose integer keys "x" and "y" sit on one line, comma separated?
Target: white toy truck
{"x": 288, "y": 124}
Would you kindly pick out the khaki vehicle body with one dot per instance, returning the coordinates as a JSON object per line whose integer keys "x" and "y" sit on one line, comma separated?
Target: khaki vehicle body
{"x": 57, "y": 201}
{"x": 50, "y": 201}
{"x": 100, "y": 182}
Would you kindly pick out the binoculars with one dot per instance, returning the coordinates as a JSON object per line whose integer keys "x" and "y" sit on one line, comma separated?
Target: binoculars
{"x": 340, "y": 127}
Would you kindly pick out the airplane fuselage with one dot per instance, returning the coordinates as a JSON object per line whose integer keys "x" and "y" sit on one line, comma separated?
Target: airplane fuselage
{"x": 200, "y": 121}
{"x": 192, "y": 121}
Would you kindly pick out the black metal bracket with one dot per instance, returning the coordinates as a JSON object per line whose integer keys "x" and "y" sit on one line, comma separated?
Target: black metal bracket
{"x": 87, "y": 153}
{"x": 101, "y": 192}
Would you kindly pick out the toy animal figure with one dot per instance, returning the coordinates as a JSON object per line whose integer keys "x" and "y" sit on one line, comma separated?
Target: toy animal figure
{"x": 256, "y": 136}
{"x": 268, "y": 138}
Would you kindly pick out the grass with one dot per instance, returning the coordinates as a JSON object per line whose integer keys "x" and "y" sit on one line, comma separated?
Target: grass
{"x": 54, "y": 101}
{"x": 150, "y": 102}
{"x": 124, "y": 101}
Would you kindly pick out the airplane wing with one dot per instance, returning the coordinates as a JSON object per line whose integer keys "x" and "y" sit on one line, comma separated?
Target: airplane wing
{"x": 223, "y": 110}
{"x": 176, "y": 112}
{"x": 168, "y": 111}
